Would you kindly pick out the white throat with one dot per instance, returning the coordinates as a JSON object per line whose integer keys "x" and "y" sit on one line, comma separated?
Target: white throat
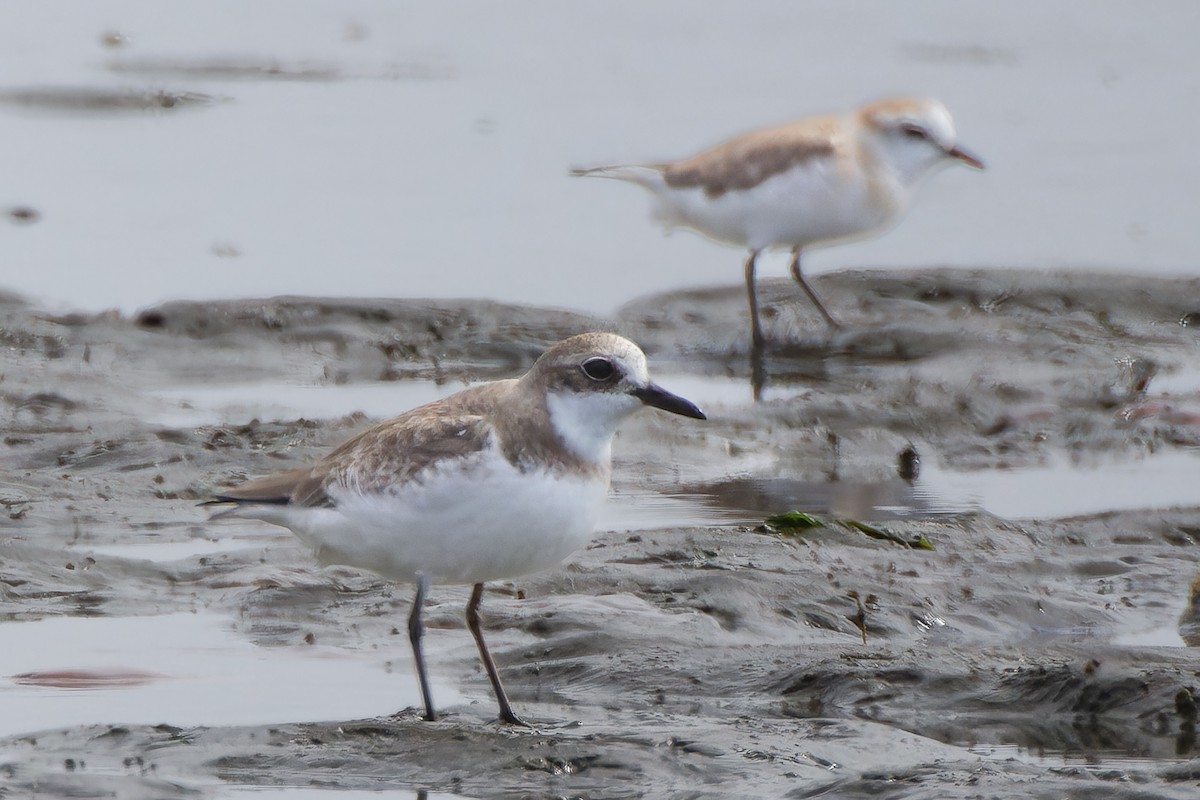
{"x": 586, "y": 422}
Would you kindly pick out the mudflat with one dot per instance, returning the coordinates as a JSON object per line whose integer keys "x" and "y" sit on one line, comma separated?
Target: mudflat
{"x": 997, "y": 596}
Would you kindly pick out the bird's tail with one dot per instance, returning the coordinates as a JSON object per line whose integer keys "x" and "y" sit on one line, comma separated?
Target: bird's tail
{"x": 644, "y": 175}
{"x": 270, "y": 511}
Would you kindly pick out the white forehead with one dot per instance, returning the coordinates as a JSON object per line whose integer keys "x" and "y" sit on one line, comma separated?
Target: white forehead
{"x": 934, "y": 117}
{"x": 924, "y": 112}
{"x": 631, "y": 359}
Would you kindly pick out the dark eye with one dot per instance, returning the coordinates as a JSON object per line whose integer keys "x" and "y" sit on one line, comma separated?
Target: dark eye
{"x": 914, "y": 131}
{"x": 598, "y": 368}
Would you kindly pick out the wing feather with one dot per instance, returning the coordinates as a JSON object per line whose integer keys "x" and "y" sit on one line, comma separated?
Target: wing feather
{"x": 748, "y": 160}
{"x": 377, "y": 459}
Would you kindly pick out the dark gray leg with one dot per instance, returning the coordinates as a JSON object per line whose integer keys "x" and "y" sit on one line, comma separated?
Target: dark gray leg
{"x": 799, "y": 276}
{"x": 506, "y": 712}
{"x": 756, "y": 334}
{"x": 758, "y": 373}
{"x": 415, "y": 631}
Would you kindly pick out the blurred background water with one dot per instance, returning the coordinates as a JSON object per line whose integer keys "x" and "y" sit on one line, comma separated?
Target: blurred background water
{"x": 369, "y": 148}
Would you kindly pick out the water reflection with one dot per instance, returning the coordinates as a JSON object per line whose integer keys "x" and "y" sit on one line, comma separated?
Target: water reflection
{"x": 1058, "y": 489}
{"x": 1100, "y": 758}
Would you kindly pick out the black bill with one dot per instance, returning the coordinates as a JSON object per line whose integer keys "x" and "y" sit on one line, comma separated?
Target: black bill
{"x": 654, "y": 395}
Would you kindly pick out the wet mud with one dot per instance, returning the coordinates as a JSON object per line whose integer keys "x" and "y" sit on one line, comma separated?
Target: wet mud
{"x": 1024, "y": 655}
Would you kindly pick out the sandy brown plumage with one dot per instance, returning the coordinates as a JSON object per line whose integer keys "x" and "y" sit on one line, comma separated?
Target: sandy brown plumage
{"x": 438, "y": 434}
{"x": 748, "y": 160}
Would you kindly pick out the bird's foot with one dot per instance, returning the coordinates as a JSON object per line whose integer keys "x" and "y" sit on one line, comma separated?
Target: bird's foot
{"x": 509, "y": 717}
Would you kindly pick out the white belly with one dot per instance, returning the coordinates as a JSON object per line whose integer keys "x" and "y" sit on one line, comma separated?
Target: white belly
{"x": 802, "y": 206}
{"x": 462, "y": 526}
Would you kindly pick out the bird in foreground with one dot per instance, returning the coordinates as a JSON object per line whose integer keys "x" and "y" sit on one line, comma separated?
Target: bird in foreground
{"x": 494, "y": 482}
{"x": 816, "y": 181}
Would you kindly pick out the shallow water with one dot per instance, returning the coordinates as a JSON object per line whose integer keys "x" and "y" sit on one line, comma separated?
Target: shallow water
{"x": 360, "y": 148}
{"x": 1167, "y": 636}
{"x": 1057, "y": 489}
{"x": 1092, "y": 760}
{"x": 188, "y": 669}
{"x": 309, "y": 793}
{"x": 1065, "y": 489}
{"x": 237, "y": 404}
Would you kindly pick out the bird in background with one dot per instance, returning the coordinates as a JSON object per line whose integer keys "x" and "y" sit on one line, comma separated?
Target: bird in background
{"x": 497, "y": 481}
{"x": 816, "y": 181}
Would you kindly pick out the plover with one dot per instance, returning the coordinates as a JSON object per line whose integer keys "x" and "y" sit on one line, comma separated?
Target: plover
{"x": 816, "y": 181}
{"x": 494, "y": 482}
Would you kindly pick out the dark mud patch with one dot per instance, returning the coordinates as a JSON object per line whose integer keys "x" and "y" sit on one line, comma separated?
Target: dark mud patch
{"x": 371, "y": 339}
{"x": 95, "y": 100}
{"x": 261, "y": 69}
